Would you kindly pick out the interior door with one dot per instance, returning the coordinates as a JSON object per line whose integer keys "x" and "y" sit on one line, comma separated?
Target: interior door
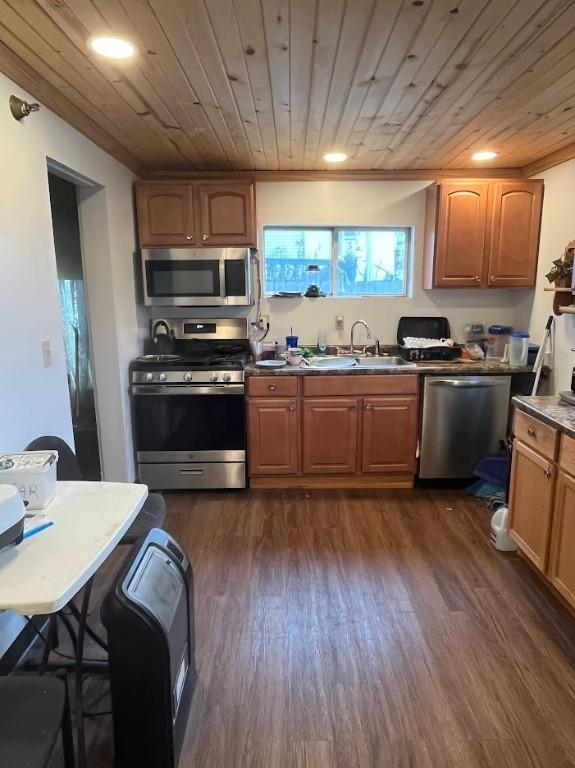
{"x": 330, "y": 435}
{"x": 461, "y": 230}
{"x": 389, "y": 434}
{"x": 531, "y": 503}
{"x": 514, "y": 237}
{"x": 165, "y": 214}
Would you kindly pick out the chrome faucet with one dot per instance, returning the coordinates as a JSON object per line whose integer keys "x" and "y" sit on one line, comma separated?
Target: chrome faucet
{"x": 367, "y": 328}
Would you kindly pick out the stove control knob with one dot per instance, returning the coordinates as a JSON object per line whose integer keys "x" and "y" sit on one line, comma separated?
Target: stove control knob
{"x": 226, "y": 377}
{"x": 213, "y": 376}
{"x": 187, "y": 376}
{"x": 149, "y": 377}
{"x": 162, "y": 377}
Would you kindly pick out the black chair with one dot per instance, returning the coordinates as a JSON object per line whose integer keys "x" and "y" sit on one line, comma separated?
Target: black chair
{"x": 33, "y": 711}
{"x": 153, "y": 512}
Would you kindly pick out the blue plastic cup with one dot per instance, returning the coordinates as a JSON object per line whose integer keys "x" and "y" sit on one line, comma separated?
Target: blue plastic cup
{"x": 291, "y": 341}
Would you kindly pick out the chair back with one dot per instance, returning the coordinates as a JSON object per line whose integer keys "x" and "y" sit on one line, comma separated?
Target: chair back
{"x": 67, "y": 467}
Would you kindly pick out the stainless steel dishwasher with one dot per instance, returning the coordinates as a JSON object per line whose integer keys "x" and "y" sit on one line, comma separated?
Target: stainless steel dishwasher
{"x": 464, "y": 418}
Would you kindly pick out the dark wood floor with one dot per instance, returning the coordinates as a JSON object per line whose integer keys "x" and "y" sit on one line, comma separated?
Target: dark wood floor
{"x": 367, "y": 628}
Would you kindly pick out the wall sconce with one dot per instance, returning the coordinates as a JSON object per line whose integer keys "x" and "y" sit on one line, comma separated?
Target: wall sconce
{"x": 20, "y": 108}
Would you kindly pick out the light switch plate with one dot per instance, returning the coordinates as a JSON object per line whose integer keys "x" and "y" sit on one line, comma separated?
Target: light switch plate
{"x": 46, "y": 352}
{"x": 339, "y": 322}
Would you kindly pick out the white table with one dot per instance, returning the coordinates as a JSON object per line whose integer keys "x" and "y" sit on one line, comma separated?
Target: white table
{"x": 43, "y": 573}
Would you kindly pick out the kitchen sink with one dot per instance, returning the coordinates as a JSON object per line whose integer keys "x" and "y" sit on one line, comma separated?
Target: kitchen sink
{"x": 332, "y": 363}
{"x": 337, "y": 363}
{"x": 382, "y": 362}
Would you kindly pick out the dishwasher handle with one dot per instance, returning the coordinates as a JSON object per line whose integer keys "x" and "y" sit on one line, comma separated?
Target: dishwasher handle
{"x": 465, "y": 383}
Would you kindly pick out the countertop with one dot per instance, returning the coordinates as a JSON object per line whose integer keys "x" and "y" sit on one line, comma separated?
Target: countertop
{"x": 549, "y": 409}
{"x": 448, "y": 368}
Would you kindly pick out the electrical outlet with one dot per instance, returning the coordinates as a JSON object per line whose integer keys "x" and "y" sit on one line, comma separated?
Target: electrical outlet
{"x": 339, "y": 322}
{"x": 46, "y": 352}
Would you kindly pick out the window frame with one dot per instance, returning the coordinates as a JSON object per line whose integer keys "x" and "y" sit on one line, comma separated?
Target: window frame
{"x": 335, "y": 230}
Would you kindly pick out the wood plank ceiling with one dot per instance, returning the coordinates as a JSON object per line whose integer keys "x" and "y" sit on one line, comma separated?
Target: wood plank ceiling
{"x": 274, "y": 84}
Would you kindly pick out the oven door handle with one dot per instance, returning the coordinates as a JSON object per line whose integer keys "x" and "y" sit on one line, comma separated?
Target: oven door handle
{"x": 192, "y": 389}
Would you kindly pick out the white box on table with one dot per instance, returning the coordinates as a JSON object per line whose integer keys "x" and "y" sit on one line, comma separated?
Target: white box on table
{"x": 33, "y": 473}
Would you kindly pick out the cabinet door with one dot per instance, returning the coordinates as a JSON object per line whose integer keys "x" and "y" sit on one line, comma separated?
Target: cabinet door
{"x": 227, "y": 214}
{"x": 273, "y": 436}
{"x": 330, "y": 435}
{"x": 389, "y": 434}
{"x": 165, "y": 214}
{"x": 514, "y": 233}
{"x": 460, "y": 238}
{"x": 531, "y": 503}
{"x": 562, "y": 566}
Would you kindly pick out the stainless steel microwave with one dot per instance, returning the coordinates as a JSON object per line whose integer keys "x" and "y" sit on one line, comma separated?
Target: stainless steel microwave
{"x": 197, "y": 277}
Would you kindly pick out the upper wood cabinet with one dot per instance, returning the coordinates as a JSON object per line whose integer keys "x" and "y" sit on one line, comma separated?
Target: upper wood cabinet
{"x": 196, "y": 214}
{"x": 165, "y": 214}
{"x": 227, "y": 214}
{"x": 514, "y": 235}
{"x": 389, "y": 434}
{"x": 481, "y": 234}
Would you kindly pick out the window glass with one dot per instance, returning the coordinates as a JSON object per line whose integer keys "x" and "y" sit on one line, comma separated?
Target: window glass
{"x": 351, "y": 261}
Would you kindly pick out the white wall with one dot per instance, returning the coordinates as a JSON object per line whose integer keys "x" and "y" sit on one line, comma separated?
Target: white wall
{"x": 33, "y": 398}
{"x": 557, "y": 229}
{"x": 372, "y": 203}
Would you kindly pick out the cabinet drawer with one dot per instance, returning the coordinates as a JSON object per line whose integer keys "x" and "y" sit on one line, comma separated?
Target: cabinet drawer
{"x": 537, "y": 435}
{"x": 567, "y": 454}
{"x": 353, "y": 384}
{"x": 276, "y": 386}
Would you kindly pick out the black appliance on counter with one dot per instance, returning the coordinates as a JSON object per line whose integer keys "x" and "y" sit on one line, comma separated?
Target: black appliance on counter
{"x": 188, "y": 408}
{"x": 425, "y": 328}
{"x": 149, "y": 615}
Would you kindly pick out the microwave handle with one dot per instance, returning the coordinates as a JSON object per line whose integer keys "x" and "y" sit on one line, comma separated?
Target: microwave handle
{"x": 222, "y": 267}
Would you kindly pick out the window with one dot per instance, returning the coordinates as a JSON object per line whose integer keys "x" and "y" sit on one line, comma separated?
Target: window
{"x": 366, "y": 261}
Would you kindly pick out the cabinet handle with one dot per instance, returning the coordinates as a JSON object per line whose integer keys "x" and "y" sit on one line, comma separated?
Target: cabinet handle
{"x": 547, "y": 472}
{"x": 531, "y": 432}
{"x": 292, "y": 407}
{"x": 204, "y": 237}
{"x": 272, "y": 387}
{"x": 368, "y": 406}
{"x": 493, "y": 278}
{"x": 477, "y": 279}
{"x": 189, "y": 237}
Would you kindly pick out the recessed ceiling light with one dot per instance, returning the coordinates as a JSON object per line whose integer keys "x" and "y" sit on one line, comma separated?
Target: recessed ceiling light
{"x": 335, "y": 157}
{"x": 113, "y": 47}
{"x": 485, "y": 154}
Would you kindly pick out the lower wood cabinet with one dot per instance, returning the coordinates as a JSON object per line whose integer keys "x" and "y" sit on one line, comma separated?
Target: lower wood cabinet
{"x": 542, "y": 501}
{"x": 273, "y": 436}
{"x": 389, "y": 437}
{"x": 330, "y": 435}
{"x": 336, "y": 431}
{"x": 531, "y": 503}
{"x": 562, "y": 560}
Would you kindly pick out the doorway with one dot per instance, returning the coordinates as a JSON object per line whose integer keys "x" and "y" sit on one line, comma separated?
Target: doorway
{"x": 72, "y": 293}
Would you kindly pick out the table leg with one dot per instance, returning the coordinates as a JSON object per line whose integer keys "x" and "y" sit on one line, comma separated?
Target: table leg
{"x": 78, "y": 674}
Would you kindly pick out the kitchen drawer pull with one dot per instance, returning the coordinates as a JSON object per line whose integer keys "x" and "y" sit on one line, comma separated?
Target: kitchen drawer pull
{"x": 531, "y": 432}
{"x": 191, "y": 471}
{"x": 548, "y": 473}
{"x": 204, "y": 237}
{"x": 477, "y": 279}
{"x": 272, "y": 387}
{"x": 368, "y": 406}
{"x": 292, "y": 407}
{"x": 189, "y": 237}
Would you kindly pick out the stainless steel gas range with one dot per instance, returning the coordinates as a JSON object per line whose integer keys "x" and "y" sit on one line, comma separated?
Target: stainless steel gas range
{"x": 188, "y": 407}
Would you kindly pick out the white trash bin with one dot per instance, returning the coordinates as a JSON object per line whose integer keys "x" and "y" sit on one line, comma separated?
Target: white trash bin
{"x": 500, "y": 538}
